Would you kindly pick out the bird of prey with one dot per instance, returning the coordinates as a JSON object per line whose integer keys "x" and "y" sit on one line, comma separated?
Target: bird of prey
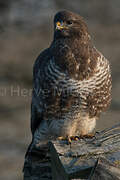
{"x": 71, "y": 82}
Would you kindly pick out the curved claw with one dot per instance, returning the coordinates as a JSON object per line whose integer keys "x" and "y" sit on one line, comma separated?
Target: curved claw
{"x": 69, "y": 138}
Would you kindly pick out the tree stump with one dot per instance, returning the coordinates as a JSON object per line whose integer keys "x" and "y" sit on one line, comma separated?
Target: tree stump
{"x": 97, "y": 158}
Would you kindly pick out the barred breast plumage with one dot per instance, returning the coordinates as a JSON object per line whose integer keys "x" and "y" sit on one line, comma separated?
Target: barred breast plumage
{"x": 72, "y": 82}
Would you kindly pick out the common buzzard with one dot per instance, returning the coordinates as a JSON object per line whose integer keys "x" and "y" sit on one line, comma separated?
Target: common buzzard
{"x": 71, "y": 82}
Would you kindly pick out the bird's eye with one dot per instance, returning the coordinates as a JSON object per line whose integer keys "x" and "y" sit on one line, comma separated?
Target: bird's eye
{"x": 69, "y": 22}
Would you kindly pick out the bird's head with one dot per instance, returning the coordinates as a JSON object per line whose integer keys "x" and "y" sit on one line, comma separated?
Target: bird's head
{"x": 68, "y": 24}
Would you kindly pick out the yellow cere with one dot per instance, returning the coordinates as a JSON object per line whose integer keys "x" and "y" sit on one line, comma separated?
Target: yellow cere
{"x": 58, "y": 23}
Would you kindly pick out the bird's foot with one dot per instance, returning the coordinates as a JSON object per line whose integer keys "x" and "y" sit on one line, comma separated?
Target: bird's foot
{"x": 87, "y": 136}
{"x": 62, "y": 138}
{"x": 69, "y": 138}
{"x": 75, "y": 138}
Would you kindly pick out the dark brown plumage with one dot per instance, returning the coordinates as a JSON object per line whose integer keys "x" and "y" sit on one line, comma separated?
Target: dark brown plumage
{"x": 72, "y": 82}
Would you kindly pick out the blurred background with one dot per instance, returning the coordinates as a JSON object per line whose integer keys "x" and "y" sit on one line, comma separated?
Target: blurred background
{"x": 26, "y": 28}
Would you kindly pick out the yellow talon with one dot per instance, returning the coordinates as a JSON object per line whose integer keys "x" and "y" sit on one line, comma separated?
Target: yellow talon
{"x": 76, "y": 139}
{"x": 62, "y": 138}
{"x": 87, "y": 136}
{"x": 69, "y": 139}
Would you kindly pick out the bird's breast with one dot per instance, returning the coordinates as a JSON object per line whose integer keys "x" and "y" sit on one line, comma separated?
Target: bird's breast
{"x": 67, "y": 96}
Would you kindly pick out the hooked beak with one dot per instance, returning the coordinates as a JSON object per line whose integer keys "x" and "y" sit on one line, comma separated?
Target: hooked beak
{"x": 59, "y": 25}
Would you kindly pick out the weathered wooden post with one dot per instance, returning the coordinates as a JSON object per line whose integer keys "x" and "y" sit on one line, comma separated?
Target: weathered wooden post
{"x": 97, "y": 159}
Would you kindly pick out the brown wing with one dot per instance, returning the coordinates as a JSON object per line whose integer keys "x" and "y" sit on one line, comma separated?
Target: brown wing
{"x": 100, "y": 99}
{"x": 38, "y": 104}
